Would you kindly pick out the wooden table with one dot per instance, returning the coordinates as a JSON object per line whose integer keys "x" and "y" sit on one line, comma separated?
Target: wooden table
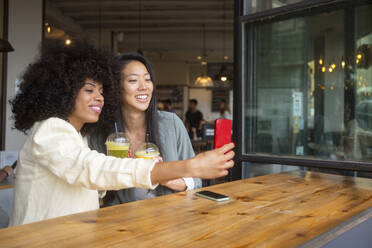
{"x": 8, "y": 183}
{"x": 280, "y": 210}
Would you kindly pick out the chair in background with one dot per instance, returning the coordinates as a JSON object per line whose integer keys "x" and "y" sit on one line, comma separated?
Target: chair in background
{"x": 208, "y": 139}
{"x": 208, "y": 135}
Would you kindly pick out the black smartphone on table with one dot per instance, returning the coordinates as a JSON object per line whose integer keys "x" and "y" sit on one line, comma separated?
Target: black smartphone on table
{"x": 212, "y": 195}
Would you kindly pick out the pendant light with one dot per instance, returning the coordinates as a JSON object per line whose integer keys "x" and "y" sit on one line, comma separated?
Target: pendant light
{"x": 222, "y": 75}
{"x": 139, "y": 50}
{"x": 204, "y": 80}
{"x": 100, "y": 23}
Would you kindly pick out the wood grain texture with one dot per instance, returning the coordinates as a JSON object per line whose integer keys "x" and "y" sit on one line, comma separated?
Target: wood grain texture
{"x": 280, "y": 210}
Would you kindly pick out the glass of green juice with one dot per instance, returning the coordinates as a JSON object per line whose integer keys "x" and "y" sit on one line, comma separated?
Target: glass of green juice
{"x": 117, "y": 145}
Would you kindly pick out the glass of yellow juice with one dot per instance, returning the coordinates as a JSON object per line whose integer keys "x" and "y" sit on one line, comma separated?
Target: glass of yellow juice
{"x": 117, "y": 145}
{"x": 147, "y": 151}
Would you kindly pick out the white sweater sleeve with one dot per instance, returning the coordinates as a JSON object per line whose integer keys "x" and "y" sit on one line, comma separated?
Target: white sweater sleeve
{"x": 60, "y": 148}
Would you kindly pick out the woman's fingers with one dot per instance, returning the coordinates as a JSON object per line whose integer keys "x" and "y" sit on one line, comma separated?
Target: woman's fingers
{"x": 223, "y": 173}
{"x": 228, "y": 164}
{"x": 215, "y": 163}
{"x": 224, "y": 149}
{"x": 230, "y": 155}
{"x": 158, "y": 159}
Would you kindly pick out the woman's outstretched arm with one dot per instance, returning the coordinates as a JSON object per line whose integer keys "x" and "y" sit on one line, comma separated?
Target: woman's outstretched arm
{"x": 207, "y": 165}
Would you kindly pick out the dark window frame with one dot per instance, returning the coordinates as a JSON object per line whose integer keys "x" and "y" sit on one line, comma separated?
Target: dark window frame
{"x": 3, "y": 95}
{"x": 241, "y": 49}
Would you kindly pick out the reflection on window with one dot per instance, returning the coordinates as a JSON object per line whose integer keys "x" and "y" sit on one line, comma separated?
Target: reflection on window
{"x": 254, "y": 6}
{"x": 256, "y": 170}
{"x": 312, "y": 85}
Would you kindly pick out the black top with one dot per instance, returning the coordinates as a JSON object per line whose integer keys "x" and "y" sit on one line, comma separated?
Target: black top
{"x": 193, "y": 119}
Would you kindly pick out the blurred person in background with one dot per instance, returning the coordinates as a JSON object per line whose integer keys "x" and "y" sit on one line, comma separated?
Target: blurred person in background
{"x": 168, "y": 106}
{"x": 194, "y": 120}
{"x": 225, "y": 112}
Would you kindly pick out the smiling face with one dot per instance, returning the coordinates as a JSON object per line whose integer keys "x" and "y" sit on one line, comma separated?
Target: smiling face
{"x": 88, "y": 104}
{"x": 137, "y": 87}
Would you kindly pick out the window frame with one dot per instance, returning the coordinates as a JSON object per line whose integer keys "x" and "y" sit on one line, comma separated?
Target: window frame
{"x": 243, "y": 47}
{"x": 3, "y": 93}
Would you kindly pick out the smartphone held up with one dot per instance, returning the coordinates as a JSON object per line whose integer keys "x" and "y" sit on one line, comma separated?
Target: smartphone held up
{"x": 222, "y": 133}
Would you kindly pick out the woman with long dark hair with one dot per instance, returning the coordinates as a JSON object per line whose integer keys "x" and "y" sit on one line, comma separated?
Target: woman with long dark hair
{"x": 137, "y": 116}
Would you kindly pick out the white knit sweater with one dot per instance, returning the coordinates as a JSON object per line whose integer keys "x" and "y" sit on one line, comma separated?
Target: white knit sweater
{"x": 57, "y": 174}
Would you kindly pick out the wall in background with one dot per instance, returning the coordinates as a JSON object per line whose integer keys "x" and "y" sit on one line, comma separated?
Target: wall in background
{"x": 204, "y": 98}
{"x": 2, "y": 82}
{"x": 24, "y": 33}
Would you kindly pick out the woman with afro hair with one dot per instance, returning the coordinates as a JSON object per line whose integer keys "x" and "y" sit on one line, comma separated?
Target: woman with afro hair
{"x": 60, "y": 101}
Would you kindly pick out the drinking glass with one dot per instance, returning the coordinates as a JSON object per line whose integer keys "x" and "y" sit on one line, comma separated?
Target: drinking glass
{"x": 117, "y": 145}
{"x": 147, "y": 151}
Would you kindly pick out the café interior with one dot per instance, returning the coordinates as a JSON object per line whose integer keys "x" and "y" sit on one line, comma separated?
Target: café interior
{"x": 295, "y": 75}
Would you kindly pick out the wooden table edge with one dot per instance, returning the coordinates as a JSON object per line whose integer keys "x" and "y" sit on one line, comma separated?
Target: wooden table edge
{"x": 8, "y": 183}
{"x": 337, "y": 231}
{"x": 6, "y": 186}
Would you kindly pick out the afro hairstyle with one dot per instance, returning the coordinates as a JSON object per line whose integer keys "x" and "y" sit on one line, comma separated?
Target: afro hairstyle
{"x": 49, "y": 86}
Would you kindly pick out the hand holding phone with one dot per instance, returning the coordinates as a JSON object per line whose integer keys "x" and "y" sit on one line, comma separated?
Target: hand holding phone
{"x": 212, "y": 195}
{"x": 222, "y": 133}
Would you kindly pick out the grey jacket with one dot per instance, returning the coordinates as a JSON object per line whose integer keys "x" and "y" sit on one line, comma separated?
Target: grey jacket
{"x": 176, "y": 145}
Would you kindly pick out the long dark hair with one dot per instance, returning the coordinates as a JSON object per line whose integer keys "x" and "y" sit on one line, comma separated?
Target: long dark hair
{"x": 152, "y": 111}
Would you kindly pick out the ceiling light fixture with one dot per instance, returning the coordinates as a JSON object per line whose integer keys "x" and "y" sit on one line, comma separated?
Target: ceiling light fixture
{"x": 222, "y": 74}
{"x": 204, "y": 80}
{"x": 100, "y": 23}
{"x": 225, "y": 57}
{"x": 139, "y": 50}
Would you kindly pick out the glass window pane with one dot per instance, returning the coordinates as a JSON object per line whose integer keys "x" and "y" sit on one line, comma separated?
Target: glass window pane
{"x": 309, "y": 92}
{"x": 362, "y": 129}
{"x": 254, "y": 6}
{"x": 255, "y": 170}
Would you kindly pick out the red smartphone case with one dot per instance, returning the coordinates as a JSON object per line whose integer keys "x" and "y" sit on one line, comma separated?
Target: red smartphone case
{"x": 222, "y": 132}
